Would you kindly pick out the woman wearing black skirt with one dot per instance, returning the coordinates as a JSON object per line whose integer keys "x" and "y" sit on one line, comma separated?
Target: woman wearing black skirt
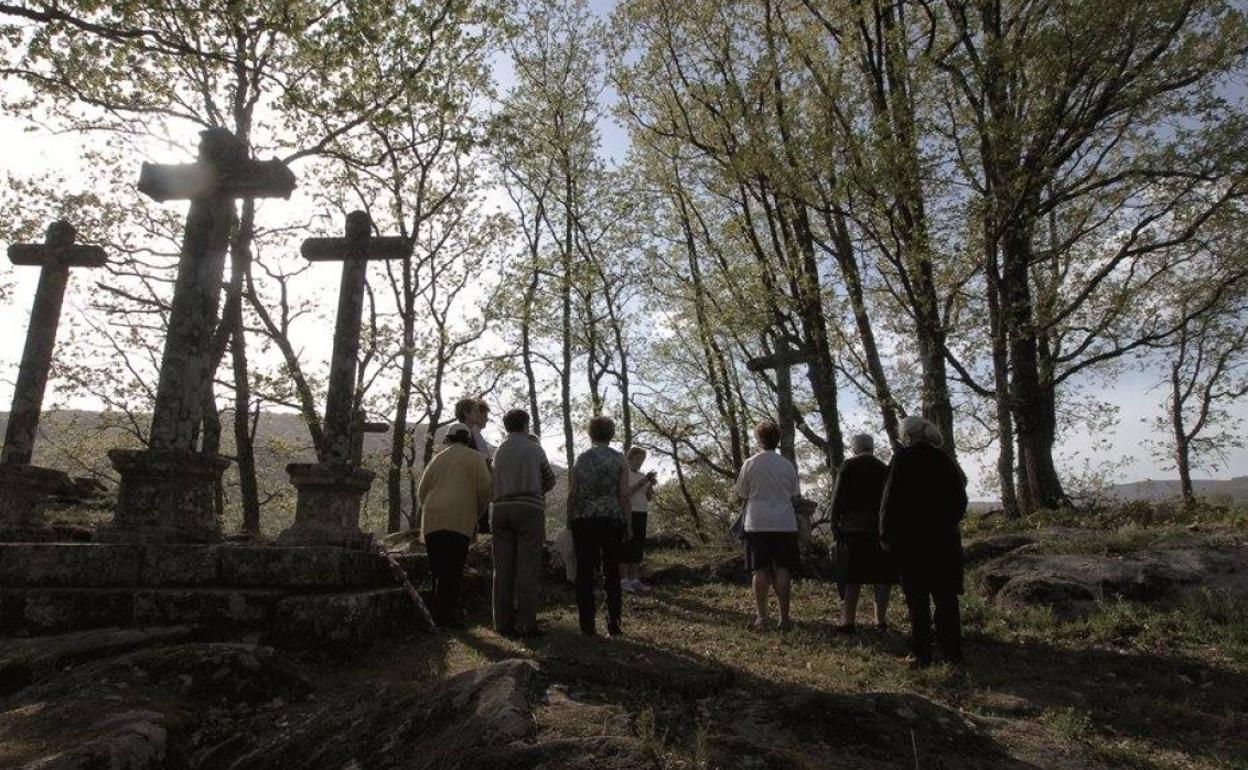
{"x": 856, "y": 527}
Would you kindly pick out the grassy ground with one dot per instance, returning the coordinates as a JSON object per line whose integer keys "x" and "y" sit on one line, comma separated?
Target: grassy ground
{"x": 1128, "y": 686}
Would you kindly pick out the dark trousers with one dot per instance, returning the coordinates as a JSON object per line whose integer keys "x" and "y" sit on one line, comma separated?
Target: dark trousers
{"x": 597, "y": 541}
{"x": 920, "y": 595}
{"x": 448, "y": 552}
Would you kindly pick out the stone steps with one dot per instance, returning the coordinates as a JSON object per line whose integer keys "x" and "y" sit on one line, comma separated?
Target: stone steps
{"x": 282, "y": 617}
{"x": 293, "y": 596}
{"x": 97, "y": 565}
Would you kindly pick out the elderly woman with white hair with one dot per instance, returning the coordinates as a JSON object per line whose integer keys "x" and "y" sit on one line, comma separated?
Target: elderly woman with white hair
{"x": 855, "y": 519}
{"x": 923, "y": 504}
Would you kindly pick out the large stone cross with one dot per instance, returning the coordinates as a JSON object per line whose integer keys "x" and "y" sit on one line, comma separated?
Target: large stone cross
{"x": 781, "y": 361}
{"x": 166, "y": 491}
{"x": 55, "y": 256}
{"x": 24, "y": 488}
{"x": 327, "y": 509}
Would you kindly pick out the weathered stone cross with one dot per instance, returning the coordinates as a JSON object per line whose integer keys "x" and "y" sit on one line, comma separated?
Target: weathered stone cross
{"x": 781, "y": 361}
{"x": 166, "y": 491}
{"x": 24, "y": 488}
{"x": 327, "y": 511}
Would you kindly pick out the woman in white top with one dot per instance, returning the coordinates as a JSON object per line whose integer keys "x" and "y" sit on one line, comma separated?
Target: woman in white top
{"x": 641, "y": 490}
{"x": 768, "y": 483}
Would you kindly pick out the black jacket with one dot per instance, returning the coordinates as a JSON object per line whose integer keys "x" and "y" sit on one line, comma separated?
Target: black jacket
{"x": 856, "y": 498}
{"x": 923, "y": 505}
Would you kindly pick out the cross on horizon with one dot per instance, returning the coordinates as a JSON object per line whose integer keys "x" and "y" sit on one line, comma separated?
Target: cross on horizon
{"x": 355, "y": 249}
{"x": 781, "y": 362}
{"x": 54, "y": 257}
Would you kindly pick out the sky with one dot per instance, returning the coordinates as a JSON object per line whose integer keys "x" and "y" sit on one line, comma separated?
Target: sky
{"x": 1123, "y": 454}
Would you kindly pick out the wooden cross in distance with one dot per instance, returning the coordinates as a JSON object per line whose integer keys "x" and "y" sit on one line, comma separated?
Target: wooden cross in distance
{"x": 781, "y": 361}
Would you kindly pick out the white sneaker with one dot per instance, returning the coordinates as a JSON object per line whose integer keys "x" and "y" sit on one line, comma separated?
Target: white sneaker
{"x": 641, "y": 587}
{"x": 628, "y": 586}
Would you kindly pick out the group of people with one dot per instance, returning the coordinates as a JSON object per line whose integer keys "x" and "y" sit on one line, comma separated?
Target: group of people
{"x": 471, "y": 486}
{"x": 894, "y": 523}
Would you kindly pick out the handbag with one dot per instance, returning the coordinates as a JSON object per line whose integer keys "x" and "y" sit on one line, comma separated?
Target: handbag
{"x": 738, "y": 526}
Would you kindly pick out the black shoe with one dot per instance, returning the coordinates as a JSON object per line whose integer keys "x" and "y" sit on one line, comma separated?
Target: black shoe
{"x": 614, "y": 631}
{"x": 845, "y": 628}
{"x": 531, "y": 634}
{"x": 589, "y": 631}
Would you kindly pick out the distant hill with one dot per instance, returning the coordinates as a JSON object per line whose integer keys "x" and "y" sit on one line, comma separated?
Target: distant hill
{"x": 1234, "y": 490}
{"x": 77, "y": 442}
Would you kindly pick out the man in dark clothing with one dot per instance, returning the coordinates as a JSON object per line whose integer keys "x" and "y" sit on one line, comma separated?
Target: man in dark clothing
{"x": 855, "y": 518}
{"x": 924, "y": 502}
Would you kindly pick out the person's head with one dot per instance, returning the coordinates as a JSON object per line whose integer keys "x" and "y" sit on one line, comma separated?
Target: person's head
{"x": 862, "y": 444}
{"x": 465, "y": 409}
{"x": 636, "y": 456}
{"x": 481, "y": 416}
{"x": 458, "y": 433}
{"x": 916, "y": 430}
{"x": 516, "y": 421}
{"x": 601, "y": 429}
{"x": 768, "y": 435}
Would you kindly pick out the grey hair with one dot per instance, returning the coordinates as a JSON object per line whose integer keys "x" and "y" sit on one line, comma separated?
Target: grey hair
{"x": 915, "y": 429}
{"x": 862, "y": 444}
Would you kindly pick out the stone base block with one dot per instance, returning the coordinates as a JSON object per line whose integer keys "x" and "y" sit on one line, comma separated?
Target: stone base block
{"x": 24, "y": 492}
{"x": 156, "y": 565}
{"x": 293, "y": 596}
{"x": 290, "y": 619}
{"x": 327, "y": 510}
{"x": 165, "y": 497}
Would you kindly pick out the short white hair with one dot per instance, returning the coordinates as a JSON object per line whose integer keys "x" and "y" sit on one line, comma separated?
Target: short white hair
{"x": 915, "y": 429}
{"x": 862, "y": 444}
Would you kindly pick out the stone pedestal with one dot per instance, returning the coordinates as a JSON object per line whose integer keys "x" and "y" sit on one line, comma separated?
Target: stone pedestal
{"x": 327, "y": 509}
{"x": 24, "y": 491}
{"x": 166, "y": 496}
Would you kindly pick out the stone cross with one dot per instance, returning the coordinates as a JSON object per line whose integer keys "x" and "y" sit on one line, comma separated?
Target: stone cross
{"x": 354, "y": 250}
{"x": 166, "y": 492}
{"x": 360, "y": 426}
{"x": 55, "y": 256}
{"x": 24, "y": 488}
{"x": 222, "y": 173}
{"x": 781, "y": 361}
{"x": 330, "y": 492}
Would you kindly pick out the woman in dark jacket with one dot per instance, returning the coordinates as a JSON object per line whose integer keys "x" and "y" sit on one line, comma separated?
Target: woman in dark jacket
{"x": 924, "y": 502}
{"x": 856, "y": 527}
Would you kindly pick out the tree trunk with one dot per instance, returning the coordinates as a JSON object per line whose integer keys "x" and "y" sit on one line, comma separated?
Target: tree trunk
{"x": 526, "y": 353}
{"x": 244, "y": 440}
{"x": 398, "y": 433}
{"x": 1034, "y": 408}
{"x": 1001, "y": 384}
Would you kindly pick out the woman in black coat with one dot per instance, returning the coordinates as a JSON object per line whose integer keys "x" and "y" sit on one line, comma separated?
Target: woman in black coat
{"x": 856, "y": 527}
{"x": 923, "y": 504}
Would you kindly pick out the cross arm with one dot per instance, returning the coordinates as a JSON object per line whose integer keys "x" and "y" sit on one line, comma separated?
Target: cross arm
{"x": 338, "y": 249}
{"x": 186, "y": 181}
{"x": 775, "y": 361}
{"x": 42, "y": 255}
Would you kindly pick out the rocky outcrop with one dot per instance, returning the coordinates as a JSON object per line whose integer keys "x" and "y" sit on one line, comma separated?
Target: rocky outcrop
{"x": 1070, "y": 583}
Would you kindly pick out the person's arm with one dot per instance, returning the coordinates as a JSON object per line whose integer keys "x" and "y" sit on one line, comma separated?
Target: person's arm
{"x": 888, "y": 503}
{"x": 571, "y": 507}
{"x": 742, "y": 487}
{"x": 485, "y": 486}
{"x": 626, "y": 493}
{"x": 643, "y": 481}
{"x": 548, "y": 475}
{"x": 426, "y": 481}
{"x": 839, "y": 498}
{"x": 960, "y": 500}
